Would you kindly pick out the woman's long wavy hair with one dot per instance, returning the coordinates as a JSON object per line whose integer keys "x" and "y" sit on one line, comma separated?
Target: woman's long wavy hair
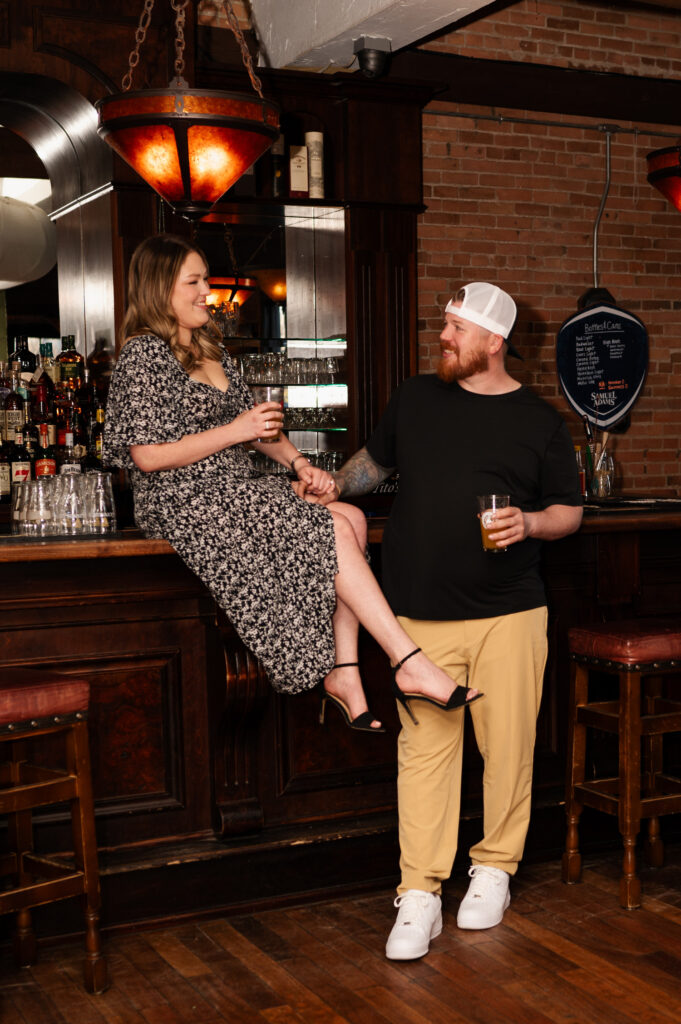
{"x": 154, "y": 268}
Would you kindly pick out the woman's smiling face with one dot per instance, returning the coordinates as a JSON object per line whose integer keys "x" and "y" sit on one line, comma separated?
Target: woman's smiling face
{"x": 188, "y": 297}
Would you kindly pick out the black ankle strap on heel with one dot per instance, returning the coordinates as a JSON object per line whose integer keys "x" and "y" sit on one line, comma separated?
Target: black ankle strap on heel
{"x": 417, "y": 650}
{"x": 346, "y": 664}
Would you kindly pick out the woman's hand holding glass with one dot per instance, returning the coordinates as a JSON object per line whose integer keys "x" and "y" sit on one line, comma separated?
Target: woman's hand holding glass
{"x": 263, "y": 422}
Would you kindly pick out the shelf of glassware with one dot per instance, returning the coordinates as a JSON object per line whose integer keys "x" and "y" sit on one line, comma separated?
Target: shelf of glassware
{"x": 311, "y": 373}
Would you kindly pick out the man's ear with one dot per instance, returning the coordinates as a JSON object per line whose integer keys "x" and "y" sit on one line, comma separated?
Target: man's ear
{"x": 496, "y": 342}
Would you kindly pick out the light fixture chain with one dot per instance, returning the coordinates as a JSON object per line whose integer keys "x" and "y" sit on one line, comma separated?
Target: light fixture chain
{"x": 245, "y": 55}
{"x": 140, "y": 36}
{"x": 179, "y": 7}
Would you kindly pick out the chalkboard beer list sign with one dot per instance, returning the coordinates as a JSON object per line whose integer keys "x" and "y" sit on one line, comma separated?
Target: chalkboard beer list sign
{"x": 602, "y": 360}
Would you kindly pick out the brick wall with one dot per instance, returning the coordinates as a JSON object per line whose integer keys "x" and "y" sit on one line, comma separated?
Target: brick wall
{"x": 576, "y": 35}
{"x": 515, "y": 203}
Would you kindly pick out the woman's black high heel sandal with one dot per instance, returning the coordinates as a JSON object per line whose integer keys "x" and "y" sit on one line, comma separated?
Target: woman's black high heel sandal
{"x": 362, "y": 723}
{"x": 457, "y": 698}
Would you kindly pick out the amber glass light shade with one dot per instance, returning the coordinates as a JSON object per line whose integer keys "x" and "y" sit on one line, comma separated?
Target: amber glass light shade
{"x": 664, "y": 172}
{"x": 230, "y": 289}
{"x": 273, "y": 283}
{"x": 190, "y": 145}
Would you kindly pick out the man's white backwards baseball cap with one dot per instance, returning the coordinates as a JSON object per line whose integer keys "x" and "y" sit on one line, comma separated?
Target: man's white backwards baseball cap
{"x": 487, "y": 306}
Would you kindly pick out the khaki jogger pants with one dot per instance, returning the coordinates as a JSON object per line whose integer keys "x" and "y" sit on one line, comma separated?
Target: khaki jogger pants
{"x": 504, "y": 657}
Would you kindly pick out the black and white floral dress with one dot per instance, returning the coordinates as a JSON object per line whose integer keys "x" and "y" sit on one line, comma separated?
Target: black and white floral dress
{"x": 267, "y": 556}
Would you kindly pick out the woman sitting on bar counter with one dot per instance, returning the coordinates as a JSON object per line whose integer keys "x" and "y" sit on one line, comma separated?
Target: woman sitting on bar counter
{"x": 291, "y": 575}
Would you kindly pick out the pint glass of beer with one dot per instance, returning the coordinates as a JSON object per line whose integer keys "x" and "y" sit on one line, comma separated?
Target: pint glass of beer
{"x": 265, "y": 393}
{"x": 488, "y": 505}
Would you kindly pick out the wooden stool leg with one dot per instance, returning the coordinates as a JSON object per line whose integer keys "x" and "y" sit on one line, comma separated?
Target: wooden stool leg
{"x": 652, "y": 766}
{"x": 24, "y": 943}
{"x": 579, "y": 691}
{"x": 630, "y": 784}
{"x": 85, "y": 852}
{"x": 20, "y": 837}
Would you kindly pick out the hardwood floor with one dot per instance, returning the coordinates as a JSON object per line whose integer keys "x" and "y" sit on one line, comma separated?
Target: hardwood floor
{"x": 563, "y": 955}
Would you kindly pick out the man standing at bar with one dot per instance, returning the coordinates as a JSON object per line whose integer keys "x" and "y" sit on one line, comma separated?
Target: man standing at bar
{"x": 468, "y": 430}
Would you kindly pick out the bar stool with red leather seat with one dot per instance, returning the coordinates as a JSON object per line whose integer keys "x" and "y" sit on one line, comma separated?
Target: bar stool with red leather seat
{"x": 638, "y": 653}
{"x": 35, "y": 704}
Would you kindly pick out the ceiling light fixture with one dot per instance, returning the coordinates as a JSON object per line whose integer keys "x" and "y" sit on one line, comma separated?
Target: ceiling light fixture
{"x": 664, "y": 173}
{"x": 230, "y": 289}
{"x": 189, "y": 145}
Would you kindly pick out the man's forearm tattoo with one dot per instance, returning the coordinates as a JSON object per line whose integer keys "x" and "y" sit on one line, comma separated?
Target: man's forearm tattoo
{"x": 360, "y": 474}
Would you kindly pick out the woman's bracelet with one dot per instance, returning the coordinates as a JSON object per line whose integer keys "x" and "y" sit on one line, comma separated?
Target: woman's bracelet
{"x": 295, "y": 459}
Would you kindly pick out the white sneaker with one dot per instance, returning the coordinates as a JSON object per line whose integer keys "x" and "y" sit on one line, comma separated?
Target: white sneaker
{"x": 487, "y": 898}
{"x": 418, "y": 921}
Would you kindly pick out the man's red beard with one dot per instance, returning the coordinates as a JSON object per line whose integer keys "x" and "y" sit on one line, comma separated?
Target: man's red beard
{"x": 453, "y": 368}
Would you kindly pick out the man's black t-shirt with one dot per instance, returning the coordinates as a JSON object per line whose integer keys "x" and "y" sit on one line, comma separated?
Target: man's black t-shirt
{"x": 450, "y": 445}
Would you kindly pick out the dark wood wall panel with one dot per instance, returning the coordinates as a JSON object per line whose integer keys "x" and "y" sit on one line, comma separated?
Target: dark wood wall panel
{"x": 143, "y": 639}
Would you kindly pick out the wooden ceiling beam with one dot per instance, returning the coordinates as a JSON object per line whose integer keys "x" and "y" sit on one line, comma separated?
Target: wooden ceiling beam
{"x": 541, "y": 87}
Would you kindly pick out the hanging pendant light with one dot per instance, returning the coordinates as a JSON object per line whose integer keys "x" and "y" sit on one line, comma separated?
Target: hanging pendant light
{"x": 230, "y": 289}
{"x": 664, "y": 173}
{"x": 190, "y": 145}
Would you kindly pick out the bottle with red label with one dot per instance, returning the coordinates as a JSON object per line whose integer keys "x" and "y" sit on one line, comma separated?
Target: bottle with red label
{"x": 5, "y": 474}
{"x": 46, "y": 463}
{"x": 19, "y": 460}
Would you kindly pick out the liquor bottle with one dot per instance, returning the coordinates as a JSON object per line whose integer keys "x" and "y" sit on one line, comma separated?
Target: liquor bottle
{"x": 41, "y": 410}
{"x": 45, "y": 464}
{"x": 14, "y": 407}
{"x": 30, "y": 433}
{"x": 297, "y": 173}
{"x": 93, "y": 459}
{"x": 68, "y": 459}
{"x": 580, "y": 469}
{"x": 5, "y": 388}
{"x": 22, "y": 381}
{"x": 19, "y": 460}
{"x": 278, "y": 155}
{"x": 48, "y": 362}
{"x": 100, "y": 363}
{"x": 315, "y": 162}
{"x": 23, "y": 355}
{"x": 79, "y": 430}
{"x": 86, "y": 399}
{"x": 71, "y": 363}
{"x": 64, "y": 408}
{"x": 42, "y": 376}
{"x": 5, "y": 475}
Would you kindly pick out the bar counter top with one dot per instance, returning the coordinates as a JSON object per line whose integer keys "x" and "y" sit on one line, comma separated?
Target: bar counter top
{"x": 609, "y": 516}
